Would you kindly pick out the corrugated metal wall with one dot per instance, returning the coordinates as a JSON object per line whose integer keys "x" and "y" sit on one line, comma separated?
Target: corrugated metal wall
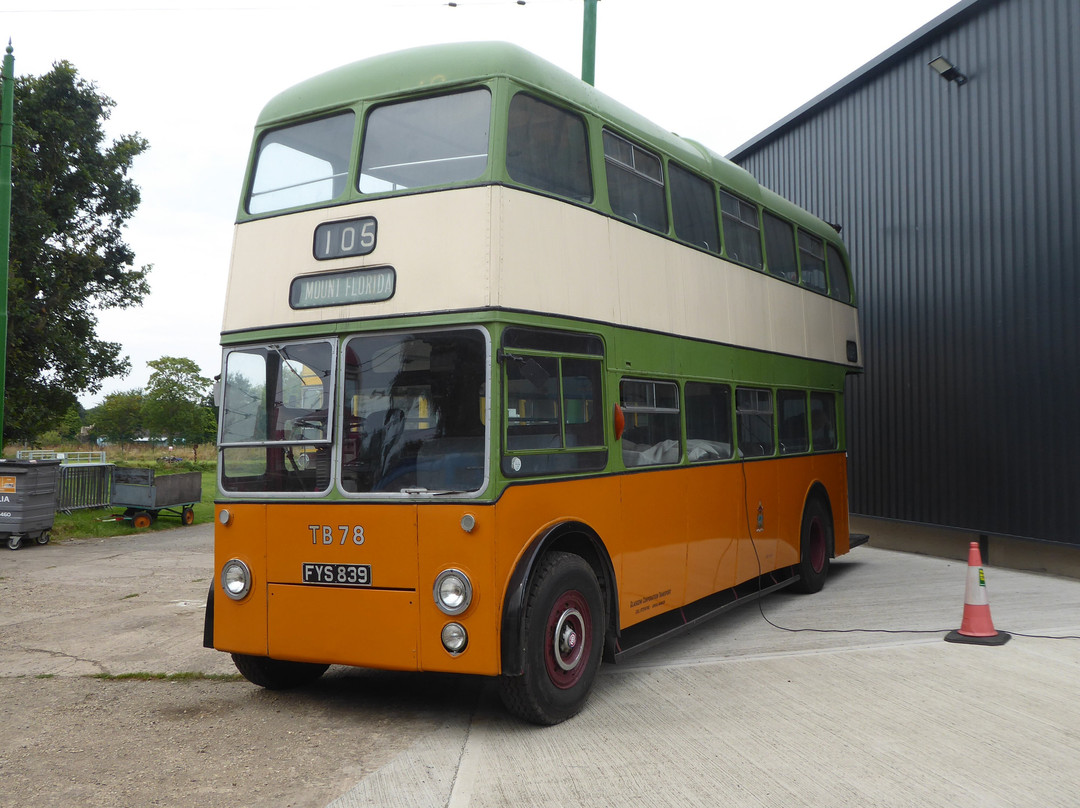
{"x": 960, "y": 207}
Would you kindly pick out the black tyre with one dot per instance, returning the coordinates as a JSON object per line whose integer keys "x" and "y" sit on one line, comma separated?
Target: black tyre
{"x": 43, "y": 537}
{"x": 815, "y": 541}
{"x": 563, "y": 638}
{"x": 187, "y": 517}
{"x": 277, "y": 674}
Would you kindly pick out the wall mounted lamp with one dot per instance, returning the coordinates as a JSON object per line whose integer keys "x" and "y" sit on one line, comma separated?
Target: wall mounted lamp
{"x": 947, "y": 70}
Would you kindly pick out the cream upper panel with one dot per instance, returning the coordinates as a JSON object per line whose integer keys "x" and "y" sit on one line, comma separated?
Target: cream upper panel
{"x": 561, "y": 258}
{"x": 500, "y": 247}
{"x": 438, "y": 245}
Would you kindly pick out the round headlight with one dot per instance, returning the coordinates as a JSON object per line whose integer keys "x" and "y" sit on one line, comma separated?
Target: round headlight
{"x": 453, "y": 592}
{"x": 454, "y": 638}
{"x": 236, "y": 579}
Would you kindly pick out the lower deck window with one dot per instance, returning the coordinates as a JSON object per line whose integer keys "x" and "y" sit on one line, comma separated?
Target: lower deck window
{"x": 754, "y": 416}
{"x": 651, "y": 435}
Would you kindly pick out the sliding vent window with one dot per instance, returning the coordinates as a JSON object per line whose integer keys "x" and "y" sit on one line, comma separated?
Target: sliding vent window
{"x": 546, "y": 148}
{"x": 302, "y": 165}
{"x": 430, "y": 141}
{"x": 635, "y": 180}
{"x": 742, "y": 233}
{"x": 693, "y": 210}
{"x": 651, "y": 434}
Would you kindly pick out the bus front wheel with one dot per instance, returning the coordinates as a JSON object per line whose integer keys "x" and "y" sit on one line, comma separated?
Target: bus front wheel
{"x": 815, "y": 539}
{"x": 563, "y": 639}
{"x": 277, "y": 674}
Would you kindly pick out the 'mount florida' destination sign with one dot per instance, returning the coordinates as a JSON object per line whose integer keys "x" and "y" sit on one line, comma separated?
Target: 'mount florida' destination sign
{"x": 342, "y": 288}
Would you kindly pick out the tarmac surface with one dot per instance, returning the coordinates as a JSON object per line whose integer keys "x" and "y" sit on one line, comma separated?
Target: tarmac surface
{"x": 737, "y": 712}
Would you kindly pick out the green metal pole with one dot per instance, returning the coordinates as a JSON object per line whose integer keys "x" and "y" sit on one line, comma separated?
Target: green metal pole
{"x": 588, "y": 43}
{"x": 7, "y": 119}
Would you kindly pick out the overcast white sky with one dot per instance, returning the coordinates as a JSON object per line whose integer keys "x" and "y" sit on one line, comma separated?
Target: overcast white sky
{"x": 191, "y": 77}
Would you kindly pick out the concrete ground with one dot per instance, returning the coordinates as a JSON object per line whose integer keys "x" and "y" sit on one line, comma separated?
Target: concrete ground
{"x": 796, "y": 709}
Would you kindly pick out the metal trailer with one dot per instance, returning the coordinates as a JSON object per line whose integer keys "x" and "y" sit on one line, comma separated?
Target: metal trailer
{"x": 145, "y": 497}
{"x": 27, "y": 500}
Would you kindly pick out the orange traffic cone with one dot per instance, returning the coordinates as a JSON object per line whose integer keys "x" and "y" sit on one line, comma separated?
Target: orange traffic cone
{"x": 977, "y": 628}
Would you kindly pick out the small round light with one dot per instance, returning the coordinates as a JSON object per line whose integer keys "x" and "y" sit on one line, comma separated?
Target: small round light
{"x": 236, "y": 579}
{"x": 454, "y": 638}
{"x": 453, "y": 592}
{"x": 468, "y": 522}
{"x": 224, "y": 516}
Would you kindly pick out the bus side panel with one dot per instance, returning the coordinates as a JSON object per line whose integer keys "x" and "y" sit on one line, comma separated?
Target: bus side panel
{"x": 445, "y": 544}
{"x": 764, "y": 510}
{"x": 240, "y": 627}
{"x": 796, "y": 475}
{"x": 652, "y": 543}
{"x": 714, "y": 519}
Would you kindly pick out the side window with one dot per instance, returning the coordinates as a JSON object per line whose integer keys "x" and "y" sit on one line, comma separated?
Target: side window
{"x": 533, "y": 413}
{"x": 839, "y": 288}
{"x": 635, "y": 180}
{"x": 554, "y": 406}
{"x": 794, "y": 438}
{"x": 708, "y": 422}
{"x": 742, "y": 233}
{"x": 651, "y": 436}
{"x": 546, "y": 148}
{"x": 693, "y": 209}
{"x": 780, "y": 248}
{"x": 823, "y": 421}
{"x": 754, "y": 417}
{"x": 812, "y": 258}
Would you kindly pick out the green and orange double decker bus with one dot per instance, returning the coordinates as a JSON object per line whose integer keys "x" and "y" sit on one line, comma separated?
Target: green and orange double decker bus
{"x": 513, "y": 381}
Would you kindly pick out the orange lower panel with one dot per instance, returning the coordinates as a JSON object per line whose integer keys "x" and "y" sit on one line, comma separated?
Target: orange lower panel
{"x": 362, "y": 627}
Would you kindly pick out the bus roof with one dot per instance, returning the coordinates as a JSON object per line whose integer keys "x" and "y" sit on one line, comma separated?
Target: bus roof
{"x": 436, "y": 67}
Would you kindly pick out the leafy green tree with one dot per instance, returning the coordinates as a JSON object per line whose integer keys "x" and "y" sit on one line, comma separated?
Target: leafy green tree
{"x": 118, "y": 418}
{"x": 71, "y": 424}
{"x": 71, "y": 197}
{"x": 175, "y": 399}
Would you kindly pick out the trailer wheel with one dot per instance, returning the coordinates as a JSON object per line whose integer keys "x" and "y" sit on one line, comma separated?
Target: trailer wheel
{"x": 563, "y": 638}
{"x": 141, "y": 519}
{"x": 277, "y": 674}
{"x": 187, "y": 517}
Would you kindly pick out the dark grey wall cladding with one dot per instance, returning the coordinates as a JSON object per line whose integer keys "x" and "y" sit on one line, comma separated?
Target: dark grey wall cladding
{"x": 959, "y": 205}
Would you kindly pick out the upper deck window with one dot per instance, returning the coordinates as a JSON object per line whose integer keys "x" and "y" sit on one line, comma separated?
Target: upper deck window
{"x": 302, "y": 165}
{"x": 547, "y": 148}
{"x": 635, "y": 180}
{"x": 780, "y": 248}
{"x": 693, "y": 209}
{"x": 742, "y": 233}
{"x": 812, "y": 258}
{"x": 428, "y": 141}
{"x": 839, "y": 287}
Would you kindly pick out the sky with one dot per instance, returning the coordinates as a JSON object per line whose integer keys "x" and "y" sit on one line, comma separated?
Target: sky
{"x": 191, "y": 76}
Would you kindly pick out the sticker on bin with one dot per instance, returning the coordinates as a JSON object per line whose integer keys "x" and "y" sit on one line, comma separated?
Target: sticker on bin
{"x": 7, "y": 485}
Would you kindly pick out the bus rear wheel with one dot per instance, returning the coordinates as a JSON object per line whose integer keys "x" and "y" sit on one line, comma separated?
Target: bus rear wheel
{"x": 277, "y": 674}
{"x": 563, "y": 639}
{"x": 815, "y": 539}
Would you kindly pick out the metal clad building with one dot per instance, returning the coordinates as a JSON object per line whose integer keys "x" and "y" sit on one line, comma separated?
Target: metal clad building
{"x": 959, "y": 204}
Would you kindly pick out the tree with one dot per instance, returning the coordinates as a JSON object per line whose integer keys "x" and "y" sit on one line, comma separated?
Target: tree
{"x": 71, "y": 197}
{"x": 175, "y": 401}
{"x": 118, "y": 418}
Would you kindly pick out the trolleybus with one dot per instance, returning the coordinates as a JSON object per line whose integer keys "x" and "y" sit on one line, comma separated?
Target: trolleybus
{"x": 513, "y": 381}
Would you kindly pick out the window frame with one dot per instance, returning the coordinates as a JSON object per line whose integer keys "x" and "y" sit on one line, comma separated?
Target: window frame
{"x": 630, "y": 169}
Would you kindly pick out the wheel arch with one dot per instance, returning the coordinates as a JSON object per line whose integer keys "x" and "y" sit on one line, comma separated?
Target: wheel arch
{"x": 576, "y": 538}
